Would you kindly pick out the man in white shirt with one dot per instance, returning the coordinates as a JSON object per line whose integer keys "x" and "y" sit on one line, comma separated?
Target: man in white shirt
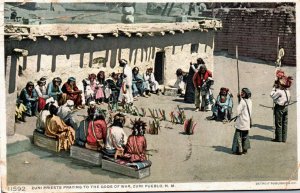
{"x": 128, "y": 79}
{"x": 281, "y": 97}
{"x": 243, "y": 123}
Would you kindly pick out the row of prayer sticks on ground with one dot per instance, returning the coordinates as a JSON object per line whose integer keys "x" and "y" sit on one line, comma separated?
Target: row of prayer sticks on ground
{"x": 160, "y": 115}
{"x": 64, "y": 37}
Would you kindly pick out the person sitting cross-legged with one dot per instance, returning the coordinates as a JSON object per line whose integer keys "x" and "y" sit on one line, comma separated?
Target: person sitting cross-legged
{"x": 153, "y": 85}
{"x": 29, "y": 98}
{"x": 73, "y": 93}
{"x": 139, "y": 85}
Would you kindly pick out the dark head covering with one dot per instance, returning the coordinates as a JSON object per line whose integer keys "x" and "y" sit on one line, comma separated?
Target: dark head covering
{"x": 224, "y": 90}
{"x": 53, "y": 109}
{"x": 179, "y": 72}
{"x": 71, "y": 79}
{"x": 29, "y": 84}
{"x": 42, "y": 81}
{"x": 200, "y": 61}
{"x": 123, "y": 62}
{"x": 119, "y": 120}
{"x": 135, "y": 69}
{"x": 92, "y": 76}
{"x": 57, "y": 79}
{"x": 247, "y": 93}
{"x": 101, "y": 76}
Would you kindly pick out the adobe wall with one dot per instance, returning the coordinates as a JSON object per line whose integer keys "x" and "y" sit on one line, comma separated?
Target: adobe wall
{"x": 79, "y": 57}
{"x": 256, "y": 32}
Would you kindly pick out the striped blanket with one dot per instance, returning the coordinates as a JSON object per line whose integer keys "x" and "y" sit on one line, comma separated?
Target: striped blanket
{"x": 135, "y": 165}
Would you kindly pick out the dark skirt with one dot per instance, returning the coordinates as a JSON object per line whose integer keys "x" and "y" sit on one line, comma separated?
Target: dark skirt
{"x": 189, "y": 96}
{"x": 241, "y": 141}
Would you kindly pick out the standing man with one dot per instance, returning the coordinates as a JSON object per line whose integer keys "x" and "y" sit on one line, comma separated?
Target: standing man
{"x": 279, "y": 56}
{"x": 189, "y": 96}
{"x": 243, "y": 123}
{"x": 281, "y": 97}
{"x": 127, "y": 71}
{"x": 199, "y": 79}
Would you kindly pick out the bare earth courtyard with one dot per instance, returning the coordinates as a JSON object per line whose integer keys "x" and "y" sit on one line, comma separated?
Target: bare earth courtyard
{"x": 202, "y": 157}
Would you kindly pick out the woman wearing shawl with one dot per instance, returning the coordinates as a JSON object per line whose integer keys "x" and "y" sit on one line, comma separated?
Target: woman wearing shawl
{"x": 56, "y": 128}
{"x": 96, "y": 136}
{"x": 73, "y": 93}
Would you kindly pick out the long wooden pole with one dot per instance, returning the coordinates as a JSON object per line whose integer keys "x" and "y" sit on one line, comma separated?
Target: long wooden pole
{"x": 237, "y": 67}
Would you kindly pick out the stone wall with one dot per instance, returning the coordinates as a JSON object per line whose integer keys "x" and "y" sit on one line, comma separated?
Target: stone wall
{"x": 256, "y": 32}
{"x": 81, "y": 56}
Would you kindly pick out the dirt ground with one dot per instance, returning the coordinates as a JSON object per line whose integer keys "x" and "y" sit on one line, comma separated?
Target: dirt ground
{"x": 203, "y": 157}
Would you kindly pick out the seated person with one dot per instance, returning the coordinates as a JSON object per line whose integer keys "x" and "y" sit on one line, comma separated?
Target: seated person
{"x": 139, "y": 85}
{"x": 116, "y": 138}
{"x": 41, "y": 120}
{"x": 20, "y": 111}
{"x": 153, "y": 85}
{"x": 42, "y": 93}
{"x": 181, "y": 81}
{"x": 136, "y": 145}
{"x": 65, "y": 113}
{"x": 29, "y": 98}
{"x": 222, "y": 109}
{"x": 56, "y": 128}
{"x": 96, "y": 135}
{"x": 73, "y": 93}
{"x": 54, "y": 90}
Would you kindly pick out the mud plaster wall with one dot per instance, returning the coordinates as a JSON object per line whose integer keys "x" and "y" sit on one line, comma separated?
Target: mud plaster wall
{"x": 81, "y": 56}
{"x": 256, "y": 33}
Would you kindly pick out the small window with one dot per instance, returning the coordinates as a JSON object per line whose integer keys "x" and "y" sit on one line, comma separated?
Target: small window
{"x": 194, "y": 48}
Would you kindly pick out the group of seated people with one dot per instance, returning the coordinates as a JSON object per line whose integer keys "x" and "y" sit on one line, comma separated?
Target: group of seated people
{"x": 93, "y": 132}
{"x": 33, "y": 98}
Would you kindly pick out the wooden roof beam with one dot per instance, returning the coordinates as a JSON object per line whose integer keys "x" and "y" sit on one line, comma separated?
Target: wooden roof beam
{"x": 16, "y": 37}
{"x": 127, "y": 34}
{"x": 116, "y": 34}
{"x": 23, "y": 52}
{"x": 47, "y": 37}
{"x": 30, "y": 37}
{"x": 99, "y": 36}
{"x": 139, "y": 34}
{"x": 150, "y": 34}
{"x": 91, "y": 37}
{"x": 172, "y": 32}
{"x": 65, "y": 38}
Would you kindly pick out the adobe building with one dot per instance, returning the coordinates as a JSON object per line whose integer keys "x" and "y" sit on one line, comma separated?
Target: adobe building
{"x": 51, "y": 50}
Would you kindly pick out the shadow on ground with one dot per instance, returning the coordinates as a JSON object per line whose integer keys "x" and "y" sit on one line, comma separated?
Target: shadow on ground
{"x": 259, "y": 137}
{"x": 222, "y": 149}
{"x": 266, "y": 127}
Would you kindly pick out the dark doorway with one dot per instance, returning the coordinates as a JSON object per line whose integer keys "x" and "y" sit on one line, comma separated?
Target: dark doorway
{"x": 159, "y": 67}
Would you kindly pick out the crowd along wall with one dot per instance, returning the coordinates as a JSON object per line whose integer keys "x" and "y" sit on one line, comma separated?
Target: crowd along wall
{"x": 79, "y": 57}
{"x": 256, "y": 31}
